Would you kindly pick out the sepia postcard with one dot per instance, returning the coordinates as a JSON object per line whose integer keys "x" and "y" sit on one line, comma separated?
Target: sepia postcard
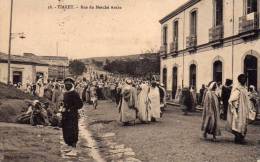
{"x": 130, "y": 80}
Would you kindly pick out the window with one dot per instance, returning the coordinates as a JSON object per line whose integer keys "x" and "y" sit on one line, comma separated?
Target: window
{"x": 217, "y": 71}
{"x": 193, "y": 23}
{"x": 251, "y": 6}
{"x": 218, "y": 5}
{"x": 165, "y": 32}
{"x": 193, "y": 75}
{"x": 175, "y": 31}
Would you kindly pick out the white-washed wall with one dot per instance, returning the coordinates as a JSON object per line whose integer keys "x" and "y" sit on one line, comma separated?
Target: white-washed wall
{"x": 205, "y": 60}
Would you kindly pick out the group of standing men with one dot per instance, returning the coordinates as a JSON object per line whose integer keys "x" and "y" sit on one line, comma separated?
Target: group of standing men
{"x": 239, "y": 108}
{"x": 146, "y": 100}
{"x": 143, "y": 100}
{"x": 135, "y": 99}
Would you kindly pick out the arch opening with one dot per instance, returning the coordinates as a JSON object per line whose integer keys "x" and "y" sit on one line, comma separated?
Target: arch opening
{"x": 174, "y": 81}
{"x": 250, "y": 69}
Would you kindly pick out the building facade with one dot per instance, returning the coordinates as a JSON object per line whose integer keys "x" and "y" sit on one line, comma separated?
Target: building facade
{"x": 58, "y": 65}
{"x": 22, "y": 69}
{"x": 205, "y": 40}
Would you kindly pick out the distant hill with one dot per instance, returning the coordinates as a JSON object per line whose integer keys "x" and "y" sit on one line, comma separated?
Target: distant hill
{"x": 150, "y": 56}
{"x": 140, "y": 65}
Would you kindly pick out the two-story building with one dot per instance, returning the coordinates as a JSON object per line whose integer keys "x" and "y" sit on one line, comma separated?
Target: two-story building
{"x": 205, "y": 40}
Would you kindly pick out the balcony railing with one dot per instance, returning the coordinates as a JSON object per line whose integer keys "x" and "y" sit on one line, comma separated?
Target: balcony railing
{"x": 163, "y": 51}
{"x": 174, "y": 47}
{"x": 216, "y": 33}
{"x": 248, "y": 24}
{"x": 191, "y": 42}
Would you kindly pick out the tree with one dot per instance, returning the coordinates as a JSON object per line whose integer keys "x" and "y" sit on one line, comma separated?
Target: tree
{"x": 76, "y": 67}
{"x": 107, "y": 61}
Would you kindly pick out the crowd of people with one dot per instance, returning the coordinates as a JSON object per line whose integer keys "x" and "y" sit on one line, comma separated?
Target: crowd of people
{"x": 142, "y": 100}
{"x": 190, "y": 100}
{"x": 136, "y": 99}
{"x": 239, "y": 108}
{"x": 235, "y": 104}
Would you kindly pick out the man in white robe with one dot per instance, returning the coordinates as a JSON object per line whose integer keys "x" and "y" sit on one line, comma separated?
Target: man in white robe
{"x": 127, "y": 106}
{"x": 154, "y": 102}
{"x": 144, "y": 113}
{"x": 40, "y": 87}
{"x": 238, "y": 110}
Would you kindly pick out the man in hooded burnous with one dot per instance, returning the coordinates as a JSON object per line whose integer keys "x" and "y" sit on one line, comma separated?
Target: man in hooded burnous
{"x": 70, "y": 115}
{"x": 154, "y": 102}
{"x": 128, "y": 104}
{"x": 210, "y": 115}
{"x": 238, "y": 110}
{"x": 40, "y": 87}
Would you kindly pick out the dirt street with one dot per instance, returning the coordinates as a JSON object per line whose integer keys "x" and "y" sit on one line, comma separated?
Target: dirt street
{"x": 174, "y": 138}
{"x": 20, "y": 143}
{"x": 25, "y": 143}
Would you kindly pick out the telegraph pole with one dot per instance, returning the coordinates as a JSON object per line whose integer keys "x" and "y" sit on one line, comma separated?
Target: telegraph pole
{"x": 10, "y": 43}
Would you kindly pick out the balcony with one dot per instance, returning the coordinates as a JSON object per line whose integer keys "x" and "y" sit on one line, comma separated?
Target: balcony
{"x": 174, "y": 47}
{"x": 163, "y": 51}
{"x": 216, "y": 35}
{"x": 191, "y": 43}
{"x": 248, "y": 25}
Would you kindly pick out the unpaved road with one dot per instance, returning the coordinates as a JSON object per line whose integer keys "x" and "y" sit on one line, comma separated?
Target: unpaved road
{"x": 24, "y": 143}
{"x": 175, "y": 138}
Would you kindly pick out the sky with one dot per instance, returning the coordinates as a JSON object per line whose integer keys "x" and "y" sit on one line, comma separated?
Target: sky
{"x": 84, "y": 33}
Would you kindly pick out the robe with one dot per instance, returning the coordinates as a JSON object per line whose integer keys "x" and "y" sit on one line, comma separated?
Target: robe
{"x": 225, "y": 95}
{"x": 210, "y": 115}
{"x": 238, "y": 110}
{"x": 154, "y": 102}
{"x": 128, "y": 104}
{"x": 144, "y": 113}
{"x": 178, "y": 95}
{"x": 254, "y": 100}
{"x": 93, "y": 94}
{"x": 70, "y": 116}
{"x": 40, "y": 88}
{"x": 186, "y": 100}
{"x": 163, "y": 95}
{"x": 56, "y": 99}
{"x": 86, "y": 94}
{"x": 193, "y": 99}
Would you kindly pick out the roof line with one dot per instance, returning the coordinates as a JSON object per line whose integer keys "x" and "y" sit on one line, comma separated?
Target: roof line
{"x": 179, "y": 10}
{"x": 23, "y": 62}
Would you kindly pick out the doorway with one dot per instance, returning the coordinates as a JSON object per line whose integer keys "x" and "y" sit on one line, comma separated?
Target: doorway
{"x": 193, "y": 76}
{"x": 217, "y": 72}
{"x": 174, "y": 81}
{"x": 17, "y": 77}
{"x": 250, "y": 69}
{"x": 165, "y": 77}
